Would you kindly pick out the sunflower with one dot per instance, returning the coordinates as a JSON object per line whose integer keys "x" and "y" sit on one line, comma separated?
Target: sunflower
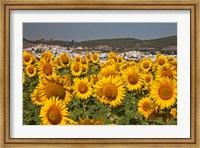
{"x": 145, "y": 107}
{"x": 148, "y": 80}
{"x": 173, "y": 113}
{"x": 58, "y": 63}
{"x": 82, "y": 88}
{"x": 110, "y": 91}
{"x": 54, "y": 112}
{"x": 88, "y": 57}
{"x": 55, "y": 86}
{"x": 65, "y": 60}
{"x": 109, "y": 70}
{"x": 146, "y": 64}
{"x": 77, "y": 58}
{"x": 76, "y": 68}
{"x": 36, "y": 98}
{"x": 112, "y": 55}
{"x": 161, "y": 60}
{"x": 88, "y": 121}
{"x": 174, "y": 63}
{"x": 95, "y": 58}
{"x": 27, "y": 58}
{"x": 166, "y": 71}
{"x": 46, "y": 68}
{"x": 84, "y": 68}
{"x": 164, "y": 92}
{"x": 84, "y": 61}
{"x": 47, "y": 56}
{"x": 120, "y": 59}
{"x": 132, "y": 78}
{"x": 31, "y": 70}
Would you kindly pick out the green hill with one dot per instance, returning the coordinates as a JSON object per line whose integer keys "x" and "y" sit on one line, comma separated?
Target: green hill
{"x": 114, "y": 43}
{"x": 160, "y": 43}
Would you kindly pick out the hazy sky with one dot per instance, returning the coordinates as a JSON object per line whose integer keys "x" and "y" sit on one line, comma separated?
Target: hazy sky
{"x": 91, "y": 31}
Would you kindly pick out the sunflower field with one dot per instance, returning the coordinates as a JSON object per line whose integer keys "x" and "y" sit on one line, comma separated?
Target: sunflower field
{"x": 84, "y": 91}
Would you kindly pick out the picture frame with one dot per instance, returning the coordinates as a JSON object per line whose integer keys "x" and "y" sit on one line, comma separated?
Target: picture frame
{"x": 7, "y": 6}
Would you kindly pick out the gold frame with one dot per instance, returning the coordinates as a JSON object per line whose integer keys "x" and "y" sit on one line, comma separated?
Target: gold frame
{"x": 7, "y": 5}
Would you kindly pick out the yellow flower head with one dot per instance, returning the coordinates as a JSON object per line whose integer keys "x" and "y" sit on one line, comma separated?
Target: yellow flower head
{"x": 27, "y": 58}
{"x": 36, "y": 98}
{"x": 166, "y": 71}
{"x": 54, "y": 112}
{"x": 120, "y": 59}
{"x": 88, "y": 121}
{"x": 76, "y": 68}
{"x": 148, "y": 80}
{"x": 109, "y": 70}
{"x": 31, "y": 70}
{"x": 145, "y": 107}
{"x": 77, "y": 58}
{"x": 46, "y": 69}
{"x": 110, "y": 91}
{"x": 161, "y": 60}
{"x": 55, "y": 86}
{"x": 95, "y": 58}
{"x": 132, "y": 78}
{"x": 146, "y": 64}
{"x": 58, "y": 63}
{"x": 47, "y": 56}
{"x": 173, "y": 113}
{"x": 88, "y": 57}
{"x": 84, "y": 68}
{"x": 82, "y": 88}
{"x": 84, "y": 61}
{"x": 65, "y": 60}
{"x": 164, "y": 92}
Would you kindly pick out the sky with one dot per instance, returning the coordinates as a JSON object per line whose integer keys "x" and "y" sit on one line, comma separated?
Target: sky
{"x": 92, "y": 31}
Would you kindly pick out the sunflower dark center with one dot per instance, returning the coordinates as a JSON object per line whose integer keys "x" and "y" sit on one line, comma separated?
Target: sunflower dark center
{"x": 148, "y": 79}
{"x": 27, "y": 58}
{"x": 145, "y": 65}
{"x": 47, "y": 69}
{"x": 65, "y": 60}
{"x": 31, "y": 70}
{"x": 54, "y": 115}
{"x": 133, "y": 79}
{"x": 146, "y": 106}
{"x": 83, "y": 88}
{"x": 88, "y": 56}
{"x": 165, "y": 92}
{"x": 119, "y": 60}
{"x": 78, "y": 59}
{"x": 110, "y": 92}
{"x": 161, "y": 61}
{"x": 58, "y": 63}
{"x": 95, "y": 57}
{"x": 54, "y": 89}
{"x": 76, "y": 68}
{"x": 83, "y": 69}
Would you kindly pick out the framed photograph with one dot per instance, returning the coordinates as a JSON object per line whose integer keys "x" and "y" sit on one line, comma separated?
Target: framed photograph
{"x": 100, "y": 73}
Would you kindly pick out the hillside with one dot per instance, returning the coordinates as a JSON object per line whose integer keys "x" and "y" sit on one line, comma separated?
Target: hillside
{"x": 114, "y": 43}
